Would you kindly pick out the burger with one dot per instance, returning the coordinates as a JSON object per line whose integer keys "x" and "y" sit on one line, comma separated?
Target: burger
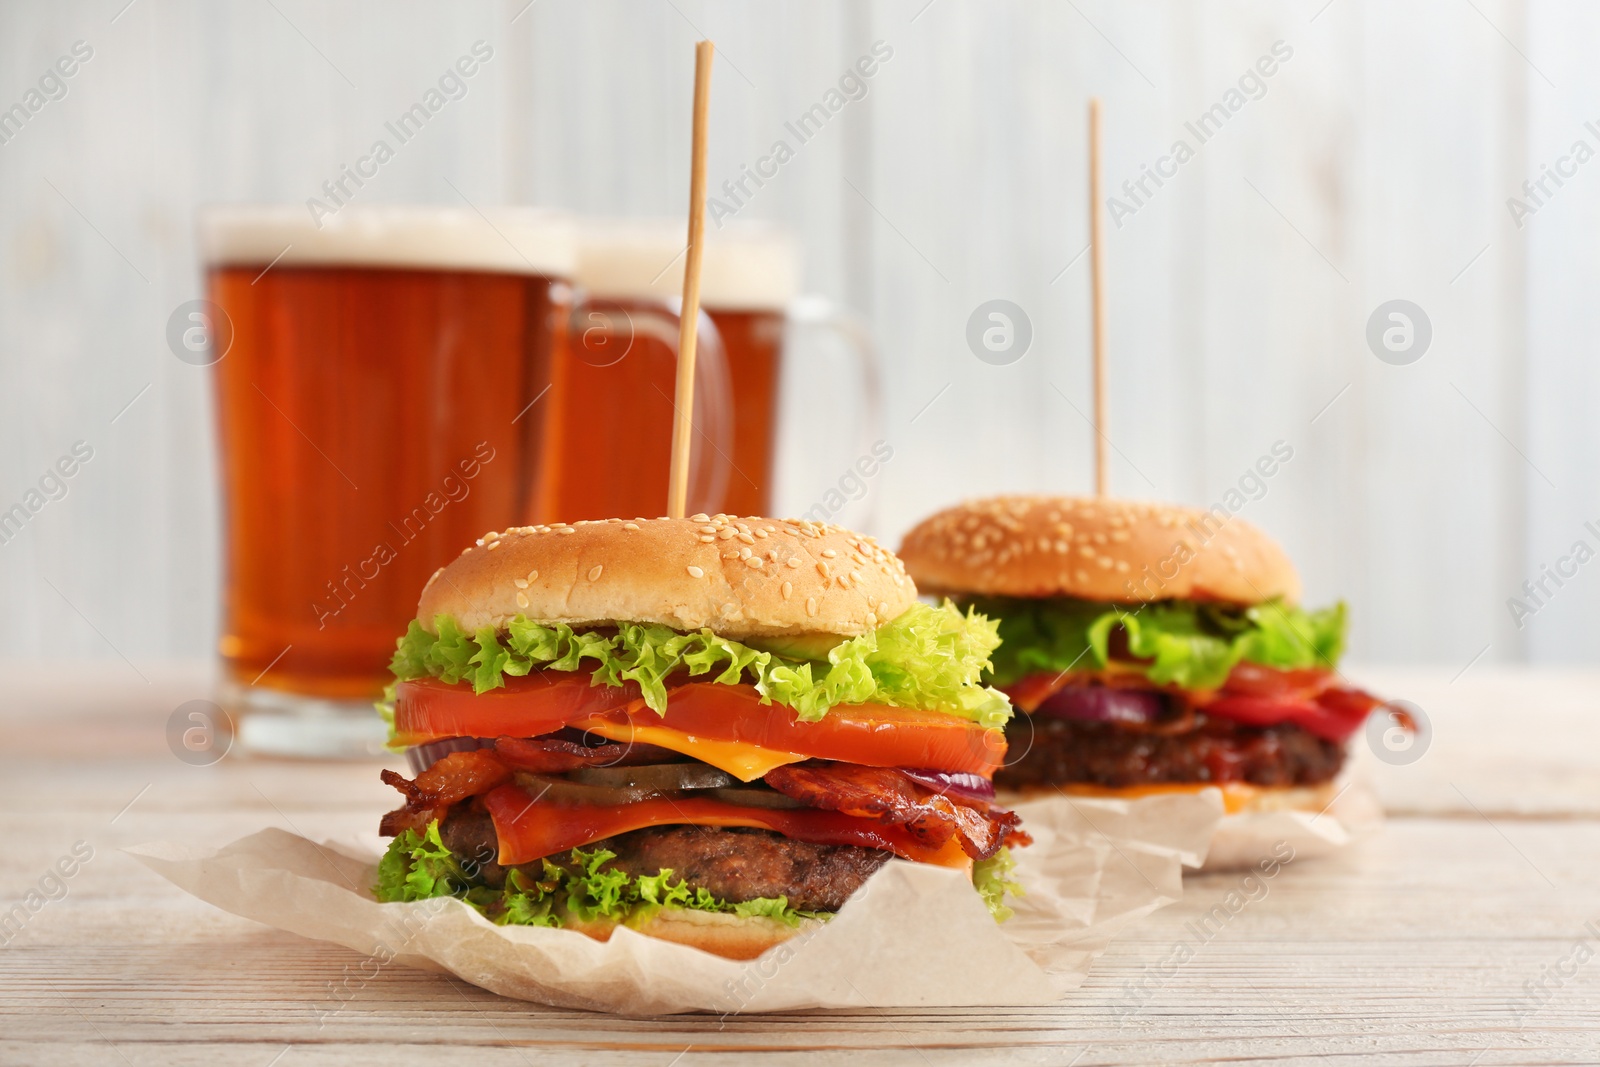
{"x": 1153, "y": 648}
{"x": 710, "y": 730}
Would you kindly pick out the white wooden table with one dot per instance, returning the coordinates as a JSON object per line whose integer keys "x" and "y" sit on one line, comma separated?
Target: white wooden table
{"x": 1415, "y": 947}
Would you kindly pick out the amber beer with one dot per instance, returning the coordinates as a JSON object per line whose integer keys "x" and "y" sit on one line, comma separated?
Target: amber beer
{"x": 378, "y": 409}
{"x": 749, "y": 275}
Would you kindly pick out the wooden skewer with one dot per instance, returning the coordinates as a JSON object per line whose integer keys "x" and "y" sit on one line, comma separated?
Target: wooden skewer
{"x": 682, "y": 421}
{"x": 1097, "y": 270}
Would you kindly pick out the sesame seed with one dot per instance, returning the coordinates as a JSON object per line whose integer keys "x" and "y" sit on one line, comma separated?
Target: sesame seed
{"x": 707, "y": 539}
{"x": 565, "y": 529}
{"x": 761, "y": 533}
{"x": 822, "y": 569}
{"x": 493, "y": 545}
{"x": 702, "y": 517}
{"x": 744, "y": 553}
{"x": 727, "y": 532}
{"x": 696, "y": 572}
{"x": 828, "y": 553}
{"x": 630, "y": 526}
{"x": 533, "y": 576}
{"x": 811, "y": 605}
{"x": 788, "y": 590}
{"x": 794, "y": 561}
{"x": 522, "y": 600}
{"x": 753, "y": 561}
{"x": 730, "y": 554}
{"x": 746, "y": 538}
{"x": 520, "y": 583}
{"x": 708, "y": 529}
{"x": 594, "y": 572}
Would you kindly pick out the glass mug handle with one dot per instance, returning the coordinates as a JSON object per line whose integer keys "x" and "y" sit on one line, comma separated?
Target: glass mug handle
{"x": 711, "y": 452}
{"x": 819, "y": 312}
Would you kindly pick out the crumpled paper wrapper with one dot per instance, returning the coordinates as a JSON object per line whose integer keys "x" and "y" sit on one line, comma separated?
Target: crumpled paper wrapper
{"x": 1248, "y": 838}
{"x": 913, "y": 935}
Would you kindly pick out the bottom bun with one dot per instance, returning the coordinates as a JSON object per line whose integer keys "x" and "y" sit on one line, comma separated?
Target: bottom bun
{"x": 737, "y": 937}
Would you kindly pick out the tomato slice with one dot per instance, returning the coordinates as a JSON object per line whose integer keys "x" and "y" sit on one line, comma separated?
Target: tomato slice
{"x": 873, "y": 735}
{"x": 427, "y": 709}
{"x": 1310, "y": 699}
{"x": 528, "y": 828}
{"x": 1252, "y": 679}
{"x": 1264, "y": 711}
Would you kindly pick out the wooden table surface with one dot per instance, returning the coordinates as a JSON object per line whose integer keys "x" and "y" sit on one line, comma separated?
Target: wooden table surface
{"x": 1463, "y": 934}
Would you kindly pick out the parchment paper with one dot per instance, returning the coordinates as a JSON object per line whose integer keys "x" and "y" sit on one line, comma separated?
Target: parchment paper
{"x": 913, "y": 935}
{"x": 1243, "y": 840}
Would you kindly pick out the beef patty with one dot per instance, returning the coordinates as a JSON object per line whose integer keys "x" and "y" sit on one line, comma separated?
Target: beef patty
{"x": 1046, "y": 750}
{"x": 733, "y": 864}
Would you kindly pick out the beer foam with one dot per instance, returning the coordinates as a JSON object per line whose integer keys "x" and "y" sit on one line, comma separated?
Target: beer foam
{"x": 746, "y": 266}
{"x": 514, "y": 240}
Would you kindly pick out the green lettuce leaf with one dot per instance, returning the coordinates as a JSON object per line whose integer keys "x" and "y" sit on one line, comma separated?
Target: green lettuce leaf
{"x": 929, "y": 658}
{"x": 1184, "y": 643}
{"x": 419, "y": 867}
{"x": 992, "y": 879}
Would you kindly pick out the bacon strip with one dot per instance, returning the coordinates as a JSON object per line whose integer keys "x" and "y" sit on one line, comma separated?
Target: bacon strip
{"x": 884, "y": 794}
{"x": 453, "y": 779}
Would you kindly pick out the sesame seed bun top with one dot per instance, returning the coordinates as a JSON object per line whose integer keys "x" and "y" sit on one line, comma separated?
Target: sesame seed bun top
{"x": 741, "y": 577}
{"x": 1099, "y": 549}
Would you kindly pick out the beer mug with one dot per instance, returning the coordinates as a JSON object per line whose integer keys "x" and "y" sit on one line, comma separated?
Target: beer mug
{"x": 750, "y": 278}
{"x": 390, "y": 383}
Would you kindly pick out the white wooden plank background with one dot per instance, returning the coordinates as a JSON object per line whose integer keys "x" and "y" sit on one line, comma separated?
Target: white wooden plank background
{"x": 1376, "y": 166}
{"x": 1412, "y": 948}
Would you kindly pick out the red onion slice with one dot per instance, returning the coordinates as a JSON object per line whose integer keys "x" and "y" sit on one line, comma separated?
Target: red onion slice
{"x": 425, "y": 755}
{"x": 1099, "y": 703}
{"x": 964, "y": 783}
